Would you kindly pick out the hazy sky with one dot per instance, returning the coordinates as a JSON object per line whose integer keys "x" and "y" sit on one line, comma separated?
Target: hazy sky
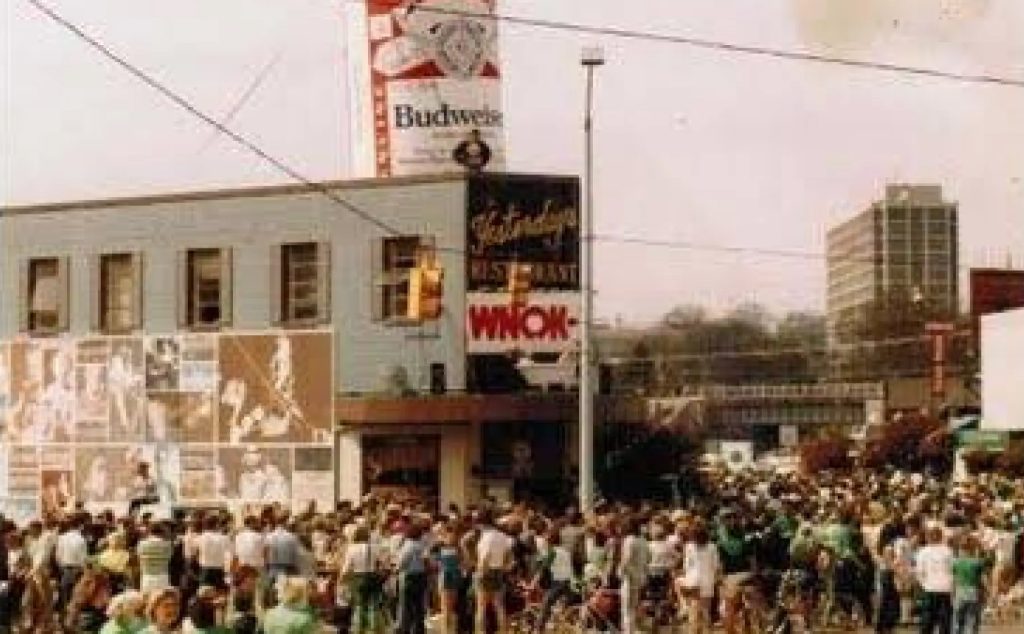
{"x": 692, "y": 145}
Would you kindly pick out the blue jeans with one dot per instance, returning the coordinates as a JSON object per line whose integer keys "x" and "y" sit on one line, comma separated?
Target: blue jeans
{"x": 937, "y": 613}
{"x": 966, "y": 615}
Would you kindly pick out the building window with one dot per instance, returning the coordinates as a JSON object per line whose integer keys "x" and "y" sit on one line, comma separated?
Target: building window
{"x": 205, "y": 293}
{"x": 303, "y": 283}
{"x": 45, "y": 295}
{"x": 120, "y": 288}
{"x": 396, "y": 257}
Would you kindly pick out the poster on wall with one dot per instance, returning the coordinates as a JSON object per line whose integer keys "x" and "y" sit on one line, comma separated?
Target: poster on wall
{"x": 21, "y": 511}
{"x": 3, "y": 472}
{"x": 23, "y": 471}
{"x": 105, "y": 473}
{"x": 80, "y": 416}
{"x": 433, "y": 84}
{"x": 516, "y": 219}
{"x": 268, "y": 395}
{"x": 199, "y": 473}
{"x": 255, "y": 474}
{"x": 5, "y": 389}
{"x": 41, "y": 400}
{"x": 313, "y": 480}
{"x": 126, "y": 384}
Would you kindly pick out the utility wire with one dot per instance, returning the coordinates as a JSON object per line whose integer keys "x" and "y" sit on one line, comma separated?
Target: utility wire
{"x": 286, "y": 169}
{"x": 727, "y": 47}
{"x": 183, "y": 103}
{"x": 684, "y": 245}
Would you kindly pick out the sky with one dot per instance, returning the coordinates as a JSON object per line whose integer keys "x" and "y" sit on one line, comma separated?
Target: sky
{"x": 692, "y": 146}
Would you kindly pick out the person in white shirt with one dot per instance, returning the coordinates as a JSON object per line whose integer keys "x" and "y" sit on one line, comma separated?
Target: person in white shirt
{"x": 45, "y": 545}
{"x": 634, "y": 563}
{"x": 214, "y": 550}
{"x": 493, "y": 557}
{"x": 250, "y": 545}
{"x": 933, "y": 566}
{"x": 71, "y": 553}
{"x": 556, "y": 565}
{"x": 250, "y": 551}
{"x": 701, "y": 570}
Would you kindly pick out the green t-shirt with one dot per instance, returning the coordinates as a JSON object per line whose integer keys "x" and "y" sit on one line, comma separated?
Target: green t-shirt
{"x": 968, "y": 572}
{"x": 734, "y": 552}
{"x": 287, "y": 620}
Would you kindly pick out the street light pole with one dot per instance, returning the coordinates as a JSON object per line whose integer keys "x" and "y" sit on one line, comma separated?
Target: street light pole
{"x": 592, "y": 58}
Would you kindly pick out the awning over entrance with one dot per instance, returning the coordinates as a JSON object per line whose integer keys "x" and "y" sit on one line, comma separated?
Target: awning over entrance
{"x": 489, "y": 408}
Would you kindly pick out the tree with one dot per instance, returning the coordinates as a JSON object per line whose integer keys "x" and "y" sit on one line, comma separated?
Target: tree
{"x": 828, "y": 453}
{"x": 639, "y": 461}
{"x": 913, "y": 442}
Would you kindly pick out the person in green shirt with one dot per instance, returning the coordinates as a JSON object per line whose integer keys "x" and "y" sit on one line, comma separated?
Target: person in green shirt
{"x": 293, "y": 615}
{"x": 968, "y": 585}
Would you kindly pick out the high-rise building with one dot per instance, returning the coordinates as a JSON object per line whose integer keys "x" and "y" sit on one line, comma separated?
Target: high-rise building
{"x": 902, "y": 250}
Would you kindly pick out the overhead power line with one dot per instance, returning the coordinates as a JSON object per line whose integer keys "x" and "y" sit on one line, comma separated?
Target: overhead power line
{"x": 183, "y": 103}
{"x": 283, "y": 167}
{"x": 684, "y": 245}
{"x": 727, "y": 47}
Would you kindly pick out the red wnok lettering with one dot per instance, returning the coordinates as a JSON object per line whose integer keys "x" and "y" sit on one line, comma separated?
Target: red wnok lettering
{"x": 519, "y": 321}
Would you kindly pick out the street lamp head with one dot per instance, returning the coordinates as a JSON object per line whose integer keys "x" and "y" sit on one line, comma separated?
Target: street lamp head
{"x": 592, "y": 56}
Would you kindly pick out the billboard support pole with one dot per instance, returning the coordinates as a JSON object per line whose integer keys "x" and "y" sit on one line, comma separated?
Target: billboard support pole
{"x": 591, "y": 59}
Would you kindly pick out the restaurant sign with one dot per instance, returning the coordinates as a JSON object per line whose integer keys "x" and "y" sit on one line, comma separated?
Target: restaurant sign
{"x": 513, "y": 219}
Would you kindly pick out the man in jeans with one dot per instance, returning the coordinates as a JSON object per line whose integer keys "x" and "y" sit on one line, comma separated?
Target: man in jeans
{"x": 934, "y": 568}
{"x": 71, "y": 554}
{"x": 282, "y": 551}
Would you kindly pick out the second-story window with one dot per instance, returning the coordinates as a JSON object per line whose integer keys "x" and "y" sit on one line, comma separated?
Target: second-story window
{"x": 302, "y": 283}
{"x": 120, "y": 292}
{"x": 45, "y": 295}
{"x": 396, "y": 257}
{"x": 205, "y": 300}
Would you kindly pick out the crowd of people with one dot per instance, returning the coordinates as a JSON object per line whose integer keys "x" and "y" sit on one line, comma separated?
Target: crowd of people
{"x": 752, "y": 553}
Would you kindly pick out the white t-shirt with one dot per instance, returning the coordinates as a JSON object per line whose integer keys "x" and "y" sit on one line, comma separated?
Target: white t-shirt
{"x": 249, "y": 548}
{"x": 561, "y": 564}
{"x": 663, "y": 556}
{"x": 934, "y": 566}
{"x": 493, "y": 550}
{"x": 71, "y": 550}
{"x": 700, "y": 568}
{"x": 360, "y": 559}
{"x": 214, "y": 549}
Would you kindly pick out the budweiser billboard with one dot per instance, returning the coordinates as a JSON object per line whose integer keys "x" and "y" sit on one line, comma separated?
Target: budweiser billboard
{"x": 424, "y": 74}
{"x": 522, "y": 219}
{"x": 546, "y": 322}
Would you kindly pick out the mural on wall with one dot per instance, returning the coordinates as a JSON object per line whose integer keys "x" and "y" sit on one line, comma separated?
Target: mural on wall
{"x": 219, "y": 418}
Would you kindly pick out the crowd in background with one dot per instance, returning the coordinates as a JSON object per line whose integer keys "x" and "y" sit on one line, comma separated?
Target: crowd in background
{"x": 829, "y": 550}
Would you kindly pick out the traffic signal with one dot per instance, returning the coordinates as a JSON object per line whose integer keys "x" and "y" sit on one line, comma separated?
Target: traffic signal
{"x": 520, "y": 280}
{"x": 426, "y": 288}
